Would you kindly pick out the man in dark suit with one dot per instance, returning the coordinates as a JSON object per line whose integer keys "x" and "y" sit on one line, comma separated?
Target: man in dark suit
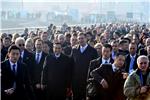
{"x": 115, "y": 48}
{"x": 3, "y": 52}
{"x": 37, "y": 70}
{"x": 6, "y": 43}
{"x": 73, "y": 41}
{"x": 45, "y": 38}
{"x": 143, "y": 51}
{"x": 131, "y": 58}
{"x": 15, "y": 81}
{"x": 25, "y": 56}
{"x": 105, "y": 58}
{"x": 57, "y": 74}
{"x": 110, "y": 80}
{"x": 82, "y": 55}
{"x": 123, "y": 44}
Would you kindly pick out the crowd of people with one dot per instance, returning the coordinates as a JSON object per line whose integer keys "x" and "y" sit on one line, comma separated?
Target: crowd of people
{"x": 109, "y": 61}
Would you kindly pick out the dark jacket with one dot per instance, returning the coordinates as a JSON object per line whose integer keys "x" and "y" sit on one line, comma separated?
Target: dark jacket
{"x": 96, "y": 63}
{"x": 81, "y": 66}
{"x": 127, "y": 63}
{"x": 37, "y": 69}
{"x": 115, "y": 82}
{"x": 23, "y": 89}
{"x": 57, "y": 76}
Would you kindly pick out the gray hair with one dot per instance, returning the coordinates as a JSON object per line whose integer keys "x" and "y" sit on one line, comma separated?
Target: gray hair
{"x": 19, "y": 39}
{"x": 142, "y": 57}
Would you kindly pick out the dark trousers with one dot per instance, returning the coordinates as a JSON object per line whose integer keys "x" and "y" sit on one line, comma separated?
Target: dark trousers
{"x": 79, "y": 94}
{"x": 40, "y": 94}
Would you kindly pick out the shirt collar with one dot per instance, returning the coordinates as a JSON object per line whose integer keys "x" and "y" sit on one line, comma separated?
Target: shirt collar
{"x": 103, "y": 60}
{"x": 22, "y": 53}
{"x": 132, "y": 56}
{"x": 11, "y": 64}
{"x": 40, "y": 53}
{"x": 57, "y": 55}
{"x": 84, "y": 46}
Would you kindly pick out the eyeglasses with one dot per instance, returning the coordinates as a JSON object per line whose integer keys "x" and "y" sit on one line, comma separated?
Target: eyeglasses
{"x": 21, "y": 45}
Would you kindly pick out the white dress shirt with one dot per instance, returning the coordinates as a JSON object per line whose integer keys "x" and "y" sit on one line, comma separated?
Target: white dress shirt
{"x": 11, "y": 65}
{"x": 22, "y": 54}
{"x": 83, "y": 48}
{"x": 103, "y": 61}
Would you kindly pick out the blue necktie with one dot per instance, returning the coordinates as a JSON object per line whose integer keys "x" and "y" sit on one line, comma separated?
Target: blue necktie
{"x": 14, "y": 68}
{"x": 131, "y": 65}
{"x": 37, "y": 58}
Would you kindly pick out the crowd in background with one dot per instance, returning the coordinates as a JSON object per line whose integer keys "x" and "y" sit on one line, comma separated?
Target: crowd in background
{"x": 109, "y": 61}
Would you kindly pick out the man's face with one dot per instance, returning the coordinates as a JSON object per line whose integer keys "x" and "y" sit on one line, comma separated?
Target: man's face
{"x": 115, "y": 46}
{"x": 148, "y": 50}
{"x": 46, "y": 48}
{"x": 103, "y": 40}
{"x": 14, "y": 55}
{"x": 57, "y": 49}
{"x": 61, "y": 39}
{"x": 89, "y": 37}
{"x": 6, "y": 42}
{"x": 82, "y": 40}
{"x": 143, "y": 64}
{"x": 73, "y": 41}
{"x": 120, "y": 61}
{"x": 21, "y": 45}
{"x": 148, "y": 42}
{"x": 99, "y": 49}
{"x": 125, "y": 46}
{"x": 44, "y": 36}
{"x": 38, "y": 45}
{"x": 29, "y": 46}
{"x": 106, "y": 52}
{"x": 132, "y": 49}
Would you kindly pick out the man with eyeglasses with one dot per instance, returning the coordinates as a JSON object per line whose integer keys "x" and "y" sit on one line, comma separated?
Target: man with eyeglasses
{"x": 25, "y": 56}
{"x": 136, "y": 86}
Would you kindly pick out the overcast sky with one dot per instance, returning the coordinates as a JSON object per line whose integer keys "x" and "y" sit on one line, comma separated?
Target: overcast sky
{"x": 76, "y": 0}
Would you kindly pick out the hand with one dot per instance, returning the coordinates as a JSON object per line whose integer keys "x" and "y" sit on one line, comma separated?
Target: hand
{"x": 9, "y": 91}
{"x": 38, "y": 86}
{"x": 104, "y": 83}
{"x": 69, "y": 92}
{"x": 143, "y": 89}
{"x": 125, "y": 75}
{"x": 43, "y": 87}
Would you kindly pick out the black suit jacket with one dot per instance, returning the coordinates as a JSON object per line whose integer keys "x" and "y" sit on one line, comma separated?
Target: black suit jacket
{"x": 23, "y": 89}
{"x": 114, "y": 79}
{"x": 37, "y": 69}
{"x": 81, "y": 66}
{"x": 28, "y": 60}
{"x": 127, "y": 63}
{"x": 57, "y": 75}
{"x": 27, "y": 57}
{"x": 142, "y": 51}
{"x": 96, "y": 63}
